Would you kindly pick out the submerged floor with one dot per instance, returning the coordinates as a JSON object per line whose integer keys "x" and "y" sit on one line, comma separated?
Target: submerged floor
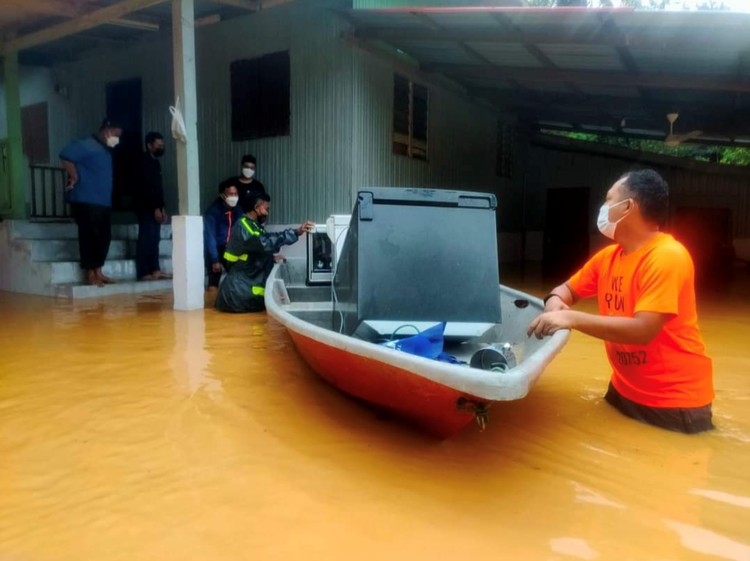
{"x": 131, "y": 432}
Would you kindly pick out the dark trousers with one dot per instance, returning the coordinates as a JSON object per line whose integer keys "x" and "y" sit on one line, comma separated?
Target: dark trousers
{"x": 147, "y": 249}
{"x": 94, "y": 234}
{"x": 687, "y": 420}
{"x": 214, "y": 278}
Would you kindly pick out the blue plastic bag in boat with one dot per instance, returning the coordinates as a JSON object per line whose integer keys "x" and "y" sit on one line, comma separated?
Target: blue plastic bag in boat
{"x": 427, "y": 344}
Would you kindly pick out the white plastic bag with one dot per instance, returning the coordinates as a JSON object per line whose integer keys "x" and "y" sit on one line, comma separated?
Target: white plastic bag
{"x": 178, "y": 123}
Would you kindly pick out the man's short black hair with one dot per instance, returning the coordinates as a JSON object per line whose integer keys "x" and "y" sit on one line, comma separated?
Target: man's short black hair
{"x": 248, "y": 159}
{"x": 253, "y": 197}
{"x": 652, "y": 193}
{"x": 224, "y": 185}
{"x": 152, "y": 137}
{"x": 108, "y": 123}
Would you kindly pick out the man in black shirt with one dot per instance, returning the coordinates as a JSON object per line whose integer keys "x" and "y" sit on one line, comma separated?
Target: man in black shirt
{"x": 246, "y": 181}
{"x": 151, "y": 213}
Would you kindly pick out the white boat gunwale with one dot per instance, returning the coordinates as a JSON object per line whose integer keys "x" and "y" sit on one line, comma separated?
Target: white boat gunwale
{"x": 508, "y": 386}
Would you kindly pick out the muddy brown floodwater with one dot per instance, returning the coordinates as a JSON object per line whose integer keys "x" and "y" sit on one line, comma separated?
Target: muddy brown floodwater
{"x": 131, "y": 432}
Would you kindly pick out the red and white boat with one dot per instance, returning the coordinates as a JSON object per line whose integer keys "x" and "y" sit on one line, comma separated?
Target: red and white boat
{"x": 439, "y": 397}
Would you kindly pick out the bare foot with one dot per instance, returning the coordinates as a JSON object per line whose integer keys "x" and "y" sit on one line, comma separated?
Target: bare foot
{"x": 92, "y": 279}
{"x": 103, "y": 278}
{"x": 212, "y": 289}
{"x": 150, "y": 277}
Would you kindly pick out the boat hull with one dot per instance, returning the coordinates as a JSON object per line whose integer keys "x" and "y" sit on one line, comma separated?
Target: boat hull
{"x": 440, "y": 398}
{"x": 437, "y": 409}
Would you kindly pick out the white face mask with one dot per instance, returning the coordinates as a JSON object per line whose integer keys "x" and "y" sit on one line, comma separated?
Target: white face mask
{"x": 248, "y": 172}
{"x": 602, "y": 222}
{"x": 232, "y": 201}
{"x": 113, "y": 141}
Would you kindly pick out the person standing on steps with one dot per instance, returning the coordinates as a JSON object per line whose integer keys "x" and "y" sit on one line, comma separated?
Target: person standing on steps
{"x": 88, "y": 163}
{"x": 151, "y": 211}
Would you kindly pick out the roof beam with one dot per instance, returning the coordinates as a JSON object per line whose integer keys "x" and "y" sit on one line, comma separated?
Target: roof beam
{"x": 82, "y": 22}
{"x": 135, "y": 24}
{"x": 250, "y": 5}
{"x": 588, "y": 77}
{"x": 489, "y": 35}
{"x": 507, "y": 25}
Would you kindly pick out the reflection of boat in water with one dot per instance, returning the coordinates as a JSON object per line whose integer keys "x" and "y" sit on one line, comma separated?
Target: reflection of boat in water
{"x": 441, "y": 398}
{"x": 423, "y": 260}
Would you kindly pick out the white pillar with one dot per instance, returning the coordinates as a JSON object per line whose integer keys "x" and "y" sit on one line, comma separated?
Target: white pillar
{"x": 187, "y": 229}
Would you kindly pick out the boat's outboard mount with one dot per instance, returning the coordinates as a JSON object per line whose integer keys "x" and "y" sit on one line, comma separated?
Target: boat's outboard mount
{"x": 419, "y": 256}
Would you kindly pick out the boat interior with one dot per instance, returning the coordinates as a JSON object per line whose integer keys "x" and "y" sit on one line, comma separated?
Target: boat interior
{"x": 313, "y": 303}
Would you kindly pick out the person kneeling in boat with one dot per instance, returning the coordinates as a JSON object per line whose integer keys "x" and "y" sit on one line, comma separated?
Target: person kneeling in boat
{"x": 645, "y": 284}
{"x": 250, "y": 256}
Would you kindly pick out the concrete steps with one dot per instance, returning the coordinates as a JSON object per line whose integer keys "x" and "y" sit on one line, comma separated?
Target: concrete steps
{"x": 64, "y": 272}
{"x": 78, "y": 291}
{"x": 67, "y": 249}
{"x": 25, "y": 230}
{"x": 42, "y": 258}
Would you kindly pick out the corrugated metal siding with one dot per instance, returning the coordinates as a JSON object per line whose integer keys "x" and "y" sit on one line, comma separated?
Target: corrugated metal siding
{"x": 462, "y": 137}
{"x": 308, "y": 173}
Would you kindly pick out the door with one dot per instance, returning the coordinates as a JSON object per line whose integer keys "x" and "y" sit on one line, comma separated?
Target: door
{"x": 35, "y": 133}
{"x": 125, "y": 105}
{"x": 707, "y": 235}
{"x": 4, "y": 184}
{"x": 566, "y": 233}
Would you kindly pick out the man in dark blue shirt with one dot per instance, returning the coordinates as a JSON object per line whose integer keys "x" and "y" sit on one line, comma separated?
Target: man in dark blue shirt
{"x": 89, "y": 192}
{"x": 218, "y": 220}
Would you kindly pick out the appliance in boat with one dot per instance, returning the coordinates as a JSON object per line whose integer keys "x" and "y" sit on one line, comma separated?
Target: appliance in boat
{"x": 442, "y": 398}
{"x": 324, "y": 245}
{"x": 419, "y": 257}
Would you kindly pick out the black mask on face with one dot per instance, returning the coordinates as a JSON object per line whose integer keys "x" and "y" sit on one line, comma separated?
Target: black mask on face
{"x": 262, "y": 218}
{"x": 159, "y": 152}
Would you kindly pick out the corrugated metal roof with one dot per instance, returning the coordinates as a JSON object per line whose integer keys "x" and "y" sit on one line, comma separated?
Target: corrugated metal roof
{"x": 647, "y": 63}
{"x": 507, "y": 54}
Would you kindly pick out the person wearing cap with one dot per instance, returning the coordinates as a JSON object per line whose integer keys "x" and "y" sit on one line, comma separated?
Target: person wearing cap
{"x": 246, "y": 181}
{"x": 88, "y": 163}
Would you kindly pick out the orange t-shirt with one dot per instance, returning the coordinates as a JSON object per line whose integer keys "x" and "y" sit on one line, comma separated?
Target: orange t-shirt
{"x": 673, "y": 370}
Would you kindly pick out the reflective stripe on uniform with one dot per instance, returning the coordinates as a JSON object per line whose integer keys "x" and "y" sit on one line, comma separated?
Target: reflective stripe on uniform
{"x": 249, "y": 228}
{"x": 234, "y": 258}
{"x": 259, "y": 291}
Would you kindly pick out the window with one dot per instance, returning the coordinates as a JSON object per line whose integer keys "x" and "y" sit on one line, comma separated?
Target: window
{"x": 260, "y": 96}
{"x": 35, "y": 133}
{"x": 410, "y": 118}
{"x": 505, "y": 142}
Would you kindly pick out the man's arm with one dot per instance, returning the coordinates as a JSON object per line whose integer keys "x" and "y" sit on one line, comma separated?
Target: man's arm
{"x": 70, "y": 167}
{"x": 209, "y": 238}
{"x": 638, "y": 330}
{"x": 561, "y": 298}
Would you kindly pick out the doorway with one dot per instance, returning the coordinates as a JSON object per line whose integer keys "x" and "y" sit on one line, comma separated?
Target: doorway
{"x": 707, "y": 235}
{"x": 125, "y": 105}
{"x": 566, "y": 233}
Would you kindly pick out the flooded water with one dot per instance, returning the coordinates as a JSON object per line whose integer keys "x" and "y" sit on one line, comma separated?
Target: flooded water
{"x": 131, "y": 432}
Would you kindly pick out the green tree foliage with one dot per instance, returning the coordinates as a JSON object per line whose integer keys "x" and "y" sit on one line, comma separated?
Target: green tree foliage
{"x": 697, "y": 152}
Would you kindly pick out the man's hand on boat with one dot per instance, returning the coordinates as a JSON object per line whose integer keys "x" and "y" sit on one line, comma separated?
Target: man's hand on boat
{"x": 306, "y": 227}
{"x": 550, "y": 322}
{"x": 279, "y": 258}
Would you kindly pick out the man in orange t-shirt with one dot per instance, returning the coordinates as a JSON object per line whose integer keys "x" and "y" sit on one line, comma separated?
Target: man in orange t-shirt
{"x": 647, "y": 314}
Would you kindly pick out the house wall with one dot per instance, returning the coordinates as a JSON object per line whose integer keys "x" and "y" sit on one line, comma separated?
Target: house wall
{"x": 37, "y": 85}
{"x": 552, "y": 168}
{"x": 341, "y": 114}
